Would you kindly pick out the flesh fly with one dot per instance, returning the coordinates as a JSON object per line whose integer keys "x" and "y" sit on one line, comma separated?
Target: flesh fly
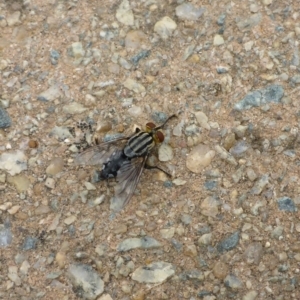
{"x": 124, "y": 159}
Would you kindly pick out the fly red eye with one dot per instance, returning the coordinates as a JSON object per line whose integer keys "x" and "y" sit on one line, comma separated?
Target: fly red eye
{"x": 160, "y": 136}
{"x": 150, "y": 125}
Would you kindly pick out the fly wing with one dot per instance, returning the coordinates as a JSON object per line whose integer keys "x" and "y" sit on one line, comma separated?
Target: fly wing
{"x": 99, "y": 154}
{"x": 128, "y": 178}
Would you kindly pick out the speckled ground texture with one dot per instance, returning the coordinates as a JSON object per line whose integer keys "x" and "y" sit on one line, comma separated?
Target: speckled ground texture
{"x": 226, "y": 225}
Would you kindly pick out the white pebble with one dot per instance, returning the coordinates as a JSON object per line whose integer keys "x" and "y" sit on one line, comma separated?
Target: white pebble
{"x": 218, "y": 40}
{"x": 70, "y": 220}
{"x": 165, "y": 152}
{"x": 199, "y": 158}
{"x": 50, "y": 183}
{"x": 135, "y": 111}
{"x": 89, "y": 186}
{"x": 165, "y": 27}
{"x": 202, "y": 119}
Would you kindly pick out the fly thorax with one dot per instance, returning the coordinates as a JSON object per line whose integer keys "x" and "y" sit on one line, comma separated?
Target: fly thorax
{"x": 139, "y": 145}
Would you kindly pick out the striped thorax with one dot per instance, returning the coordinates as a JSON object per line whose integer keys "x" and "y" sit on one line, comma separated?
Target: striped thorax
{"x": 139, "y": 145}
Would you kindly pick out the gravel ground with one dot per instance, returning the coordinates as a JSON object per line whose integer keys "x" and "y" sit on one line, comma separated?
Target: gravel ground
{"x": 226, "y": 225}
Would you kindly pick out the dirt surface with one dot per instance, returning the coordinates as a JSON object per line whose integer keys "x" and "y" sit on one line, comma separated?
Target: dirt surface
{"x": 226, "y": 225}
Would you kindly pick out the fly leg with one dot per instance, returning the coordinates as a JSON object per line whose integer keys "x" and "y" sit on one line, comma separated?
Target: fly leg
{"x": 158, "y": 168}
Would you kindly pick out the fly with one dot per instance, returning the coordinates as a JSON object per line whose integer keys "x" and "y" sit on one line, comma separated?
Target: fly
{"x": 124, "y": 162}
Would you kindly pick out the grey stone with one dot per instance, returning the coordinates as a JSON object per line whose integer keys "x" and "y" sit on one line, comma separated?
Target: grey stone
{"x": 253, "y": 253}
{"x": 143, "y": 54}
{"x": 159, "y": 117}
{"x": 229, "y": 242}
{"x": 194, "y": 275}
{"x": 29, "y": 243}
{"x": 260, "y": 185}
{"x": 156, "y": 272}
{"x": 5, "y": 120}
{"x": 186, "y": 219}
{"x": 246, "y": 24}
{"x": 239, "y": 148}
{"x": 86, "y": 281}
{"x": 50, "y": 94}
{"x": 221, "y": 20}
{"x": 295, "y": 58}
{"x": 272, "y": 93}
{"x": 221, "y": 70}
{"x": 54, "y": 56}
{"x": 61, "y": 132}
{"x": 177, "y": 245}
{"x": 277, "y": 232}
{"x": 188, "y": 51}
{"x": 295, "y": 79}
{"x": 233, "y": 282}
{"x": 5, "y": 235}
{"x": 145, "y": 242}
{"x": 286, "y": 204}
{"x": 187, "y": 11}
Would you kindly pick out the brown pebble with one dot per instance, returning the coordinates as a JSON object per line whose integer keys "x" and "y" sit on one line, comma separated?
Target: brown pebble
{"x": 38, "y": 188}
{"x": 104, "y": 127}
{"x": 33, "y": 144}
{"x": 61, "y": 259}
{"x": 295, "y": 247}
{"x": 55, "y": 166}
{"x": 194, "y": 58}
{"x": 120, "y": 128}
{"x": 190, "y": 250}
{"x": 139, "y": 295}
{"x": 151, "y": 226}
{"x": 229, "y": 141}
{"x": 42, "y": 209}
{"x": 220, "y": 270}
{"x": 120, "y": 228}
{"x": 21, "y": 215}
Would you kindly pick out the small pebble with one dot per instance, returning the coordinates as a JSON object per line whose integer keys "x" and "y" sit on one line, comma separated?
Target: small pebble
{"x": 165, "y": 27}
{"x": 50, "y": 183}
{"x": 135, "y": 111}
{"x": 218, "y": 40}
{"x": 167, "y": 233}
{"x": 220, "y": 270}
{"x": 187, "y": 11}
{"x": 5, "y": 120}
{"x": 165, "y": 152}
{"x": 134, "y": 86}
{"x": 156, "y": 272}
{"x": 61, "y": 259}
{"x": 200, "y": 157}
{"x": 229, "y": 242}
{"x": 124, "y": 13}
{"x": 70, "y": 220}
{"x": 55, "y": 166}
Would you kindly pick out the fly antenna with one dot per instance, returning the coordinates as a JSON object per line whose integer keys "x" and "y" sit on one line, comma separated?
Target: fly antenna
{"x": 162, "y": 125}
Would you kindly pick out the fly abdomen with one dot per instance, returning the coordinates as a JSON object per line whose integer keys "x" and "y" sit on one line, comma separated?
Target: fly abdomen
{"x": 111, "y": 167}
{"x": 139, "y": 145}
